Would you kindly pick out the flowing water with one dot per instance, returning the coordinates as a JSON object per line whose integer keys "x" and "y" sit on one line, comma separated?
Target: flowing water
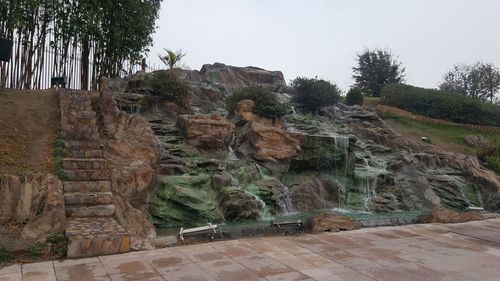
{"x": 367, "y": 174}
{"x": 342, "y": 144}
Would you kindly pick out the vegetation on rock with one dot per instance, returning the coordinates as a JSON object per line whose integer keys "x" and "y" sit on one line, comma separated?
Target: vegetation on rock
{"x": 314, "y": 93}
{"x": 443, "y": 105}
{"x": 59, "y": 152}
{"x": 266, "y": 102}
{"x": 354, "y": 96}
{"x": 166, "y": 85}
{"x": 375, "y": 69}
{"x": 5, "y": 256}
{"x": 490, "y": 154}
{"x": 34, "y": 251}
{"x": 171, "y": 58}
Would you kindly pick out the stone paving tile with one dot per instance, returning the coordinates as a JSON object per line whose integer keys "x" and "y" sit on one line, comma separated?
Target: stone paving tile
{"x": 10, "y": 269}
{"x": 228, "y": 270}
{"x": 407, "y": 272}
{"x": 410, "y": 253}
{"x": 185, "y": 272}
{"x": 15, "y": 276}
{"x": 321, "y": 274}
{"x": 263, "y": 265}
{"x": 203, "y": 254}
{"x": 81, "y": 272}
{"x": 43, "y": 271}
{"x": 289, "y": 276}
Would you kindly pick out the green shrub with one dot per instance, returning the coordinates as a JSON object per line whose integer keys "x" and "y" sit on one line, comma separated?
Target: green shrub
{"x": 34, "y": 251}
{"x": 165, "y": 84}
{"x": 59, "y": 243}
{"x": 59, "y": 152}
{"x": 442, "y": 105}
{"x": 354, "y": 96}
{"x": 315, "y": 93}
{"x": 5, "y": 256}
{"x": 266, "y": 102}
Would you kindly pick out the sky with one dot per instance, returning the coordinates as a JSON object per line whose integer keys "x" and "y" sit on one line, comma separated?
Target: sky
{"x": 322, "y": 37}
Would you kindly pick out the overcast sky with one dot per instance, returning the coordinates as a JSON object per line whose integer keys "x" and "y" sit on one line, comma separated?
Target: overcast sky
{"x": 321, "y": 37}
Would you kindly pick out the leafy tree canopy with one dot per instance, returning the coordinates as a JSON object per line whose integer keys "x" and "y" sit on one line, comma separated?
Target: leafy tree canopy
{"x": 375, "y": 69}
{"x": 479, "y": 81}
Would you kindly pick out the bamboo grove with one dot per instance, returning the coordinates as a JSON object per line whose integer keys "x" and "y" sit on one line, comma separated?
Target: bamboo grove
{"x": 83, "y": 38}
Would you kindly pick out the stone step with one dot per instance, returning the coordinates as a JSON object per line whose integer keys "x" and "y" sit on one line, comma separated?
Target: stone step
{"x": 88, "y": 237}
{"x": 84, "y": 153}
{"x": 88, "y": 175}
{"x": 78, "y": 120}
{"x": 77, "y": 128}
{"x": 91, "y": 198}
{"x": 84, "y": 163}
{"x": 87, "y": 186}
{"x": 82, "y": 144}
{"x": 79, "y": 135}
{"x": 90, "y": 210}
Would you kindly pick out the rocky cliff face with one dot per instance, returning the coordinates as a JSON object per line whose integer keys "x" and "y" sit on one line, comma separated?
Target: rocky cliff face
{"x": 212, "y": 169}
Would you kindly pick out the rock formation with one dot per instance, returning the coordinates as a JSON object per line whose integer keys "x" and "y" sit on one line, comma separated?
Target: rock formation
{"x": 346, "y": 157}
{"x": 36, "y": 200}
{"x": 131, "y": 152}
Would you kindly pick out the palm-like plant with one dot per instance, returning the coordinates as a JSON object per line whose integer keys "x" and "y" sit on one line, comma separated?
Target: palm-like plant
{"x": 171, "y": 59}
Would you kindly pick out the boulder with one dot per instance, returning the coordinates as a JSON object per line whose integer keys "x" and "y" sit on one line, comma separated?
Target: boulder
{"x": 477, "y": 141}
{"x": 233, "y": 77}
{"x": 267, "y": 140}
{"x": 329, "y": 222}
{"x": 444, "y": 215}
{"x": 313, "y": 193}
{"x": 244, "y": 110}
{"x": 36, "y": 200}
{"x": 185, "y": 200}
{"x": 237, "y": 205}
{"x": 211, "y": 132}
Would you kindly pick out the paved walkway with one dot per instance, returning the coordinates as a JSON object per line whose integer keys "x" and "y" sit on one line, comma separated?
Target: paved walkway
{"x": 468, "y": 251}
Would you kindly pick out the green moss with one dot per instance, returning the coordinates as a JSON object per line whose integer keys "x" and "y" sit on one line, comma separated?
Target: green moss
{"x": 355, "y": 200}
{"x": 471, "y": 194}
{"x": 253, "y": 189}
{"x": 186, "y": 200}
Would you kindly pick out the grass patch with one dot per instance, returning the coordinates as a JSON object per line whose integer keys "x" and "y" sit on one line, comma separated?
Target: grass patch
{"x": 58, "y": 244}
{"x": 5, "y": 256}
{"x": 441, "y": 135}
{"x": 59, "y": 152}
{"x": 34, "y": 251}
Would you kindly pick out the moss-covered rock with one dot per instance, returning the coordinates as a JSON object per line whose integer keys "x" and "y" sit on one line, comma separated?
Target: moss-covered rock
{"x": 320, "y": 153}
{"x": 238, "y": 204}
{"x": 186, "y": 200}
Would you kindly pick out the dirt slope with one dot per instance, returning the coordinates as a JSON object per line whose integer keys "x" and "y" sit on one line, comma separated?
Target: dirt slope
{"x": 29, "y": 121}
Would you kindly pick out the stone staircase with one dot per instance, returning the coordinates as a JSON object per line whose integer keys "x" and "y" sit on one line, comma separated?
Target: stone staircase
{"x": 90, "y": 227}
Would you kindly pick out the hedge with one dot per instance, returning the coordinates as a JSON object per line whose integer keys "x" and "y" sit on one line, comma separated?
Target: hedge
{"x": 442, "y": 105}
